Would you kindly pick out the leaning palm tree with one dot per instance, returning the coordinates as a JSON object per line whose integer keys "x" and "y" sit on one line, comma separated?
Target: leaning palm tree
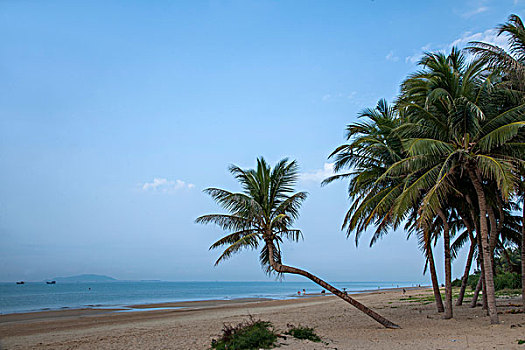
{"x": 261, "y": 216}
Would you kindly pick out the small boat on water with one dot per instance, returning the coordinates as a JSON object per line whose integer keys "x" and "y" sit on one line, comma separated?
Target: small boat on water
{"x": 20, "y": 282}
{"x": 51, "y": 282}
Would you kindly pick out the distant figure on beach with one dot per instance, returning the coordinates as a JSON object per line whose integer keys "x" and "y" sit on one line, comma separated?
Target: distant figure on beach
{"x": 404, "y": 291}
{"x": 298, "y": 292}
{"x": 304, "y": 291}
{"x": 323, "y": 292}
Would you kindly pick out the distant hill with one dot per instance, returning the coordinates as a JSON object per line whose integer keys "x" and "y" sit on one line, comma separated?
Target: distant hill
{"x": 85, "y": 278}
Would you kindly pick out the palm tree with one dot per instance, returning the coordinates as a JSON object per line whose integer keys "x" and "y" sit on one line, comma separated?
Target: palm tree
{"x": 467, "y": 235}
{"x": 262, "y": 215}
{"x": 457, "y": 134}
{"x": 374, "y": 146}
{"x": 512, "y": 64}
{"x": 425, "y": 236}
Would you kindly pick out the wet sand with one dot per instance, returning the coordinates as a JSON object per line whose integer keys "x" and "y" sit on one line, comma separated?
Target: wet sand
{"x": 192, "y": 325}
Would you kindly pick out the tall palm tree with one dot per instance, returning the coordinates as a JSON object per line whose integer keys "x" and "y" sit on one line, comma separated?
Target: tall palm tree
{"x": 458, "y": 134}
{"x": 512, "y": 64}
{"x": 373, "y": 147}
{"x": 425, "y": 237}
{"x": 261, "y": 216}
{"x": 462, "y": 238}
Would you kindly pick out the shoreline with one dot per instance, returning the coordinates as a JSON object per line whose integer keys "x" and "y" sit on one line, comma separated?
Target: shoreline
{"x": 339, "y": 324}
{"x": 195, "y": 303}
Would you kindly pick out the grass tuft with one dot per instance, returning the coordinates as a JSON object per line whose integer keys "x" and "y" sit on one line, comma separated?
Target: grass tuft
{"x": 301, "y": 332}
{"x": 247, "y": 335}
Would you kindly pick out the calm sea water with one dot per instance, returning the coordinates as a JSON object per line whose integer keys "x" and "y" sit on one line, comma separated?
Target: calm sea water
{"x": 38, "y": 296}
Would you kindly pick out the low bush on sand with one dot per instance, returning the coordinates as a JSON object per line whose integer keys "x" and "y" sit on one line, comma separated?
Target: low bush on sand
{"x": 251, "y": 334}
{"x": 301, "y": 332}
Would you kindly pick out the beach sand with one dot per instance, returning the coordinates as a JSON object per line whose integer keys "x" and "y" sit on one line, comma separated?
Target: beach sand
{"x": 339, "y": 324}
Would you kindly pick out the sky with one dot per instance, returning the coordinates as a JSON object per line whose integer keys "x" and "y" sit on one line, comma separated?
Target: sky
{"x": 115, "y": 115}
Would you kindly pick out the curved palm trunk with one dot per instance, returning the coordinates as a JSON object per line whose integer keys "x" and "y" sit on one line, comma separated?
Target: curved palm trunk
{"x": 468, "y": 265}
{"x": 433, "y": 275}
{"x": 278, "y": 267}
{"x": 474, "y": 301}
{"x": 448, "y": 266}
{"x": 485, "y": 246}
{"x": 480, "y": 285}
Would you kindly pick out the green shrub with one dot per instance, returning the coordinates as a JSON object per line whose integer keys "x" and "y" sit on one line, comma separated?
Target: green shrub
{"x": 504, "y": 280}
{"x": 301, "y": 332}
{"x": 507, "y": 280}
{"x": 456, "y": 283}
{"x": 472, "y": 281}
{"x": 248, "y": 335}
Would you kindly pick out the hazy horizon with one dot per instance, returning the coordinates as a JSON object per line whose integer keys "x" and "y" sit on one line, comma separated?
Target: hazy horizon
{"x": 114, "y": 116}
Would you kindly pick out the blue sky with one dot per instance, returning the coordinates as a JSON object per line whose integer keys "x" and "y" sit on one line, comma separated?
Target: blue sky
{"x": 114, "y": 115}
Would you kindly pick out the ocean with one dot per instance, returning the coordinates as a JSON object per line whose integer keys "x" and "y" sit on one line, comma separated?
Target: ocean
{"x": 39, "y": 296}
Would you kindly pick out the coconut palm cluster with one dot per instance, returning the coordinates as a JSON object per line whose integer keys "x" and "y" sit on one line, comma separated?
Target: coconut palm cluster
{"x": 446, "y": 160}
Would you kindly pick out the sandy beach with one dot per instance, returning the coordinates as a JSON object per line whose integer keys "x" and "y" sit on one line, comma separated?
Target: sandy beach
{"x": 192, "y": 325}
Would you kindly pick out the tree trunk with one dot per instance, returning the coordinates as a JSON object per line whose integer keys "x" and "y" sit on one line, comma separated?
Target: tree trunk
{"x": 433, "y": 274}
{"x": 523, "y": 254}
{"x": 484, "y": 302}
{"x": 448, "y": 265}
{"x": 481, "y": 282}
{"x": 485, "y": 246}
{"x": 464, "y": 279}
{"x": 278, "y": 267}
{"x": 474, "y": 301}
{"x": 494, "y": 234}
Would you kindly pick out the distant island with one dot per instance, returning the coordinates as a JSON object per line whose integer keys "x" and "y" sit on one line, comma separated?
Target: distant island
{"x": 84, "y": 278}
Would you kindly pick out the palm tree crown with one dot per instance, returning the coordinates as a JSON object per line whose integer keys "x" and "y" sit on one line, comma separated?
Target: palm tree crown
{"x": 263, "y": 212}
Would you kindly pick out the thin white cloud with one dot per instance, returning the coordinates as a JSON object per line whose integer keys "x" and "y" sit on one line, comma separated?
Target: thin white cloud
{"x": 412, "y": 59}
{"x": 475, "y": 11}
{"x": 352, "y": 97}
{"x": 488, "y": 36}
{"x": 319, "y": 174}
{"x": 392, "y": 57}
{"x": 164, "y": 185}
